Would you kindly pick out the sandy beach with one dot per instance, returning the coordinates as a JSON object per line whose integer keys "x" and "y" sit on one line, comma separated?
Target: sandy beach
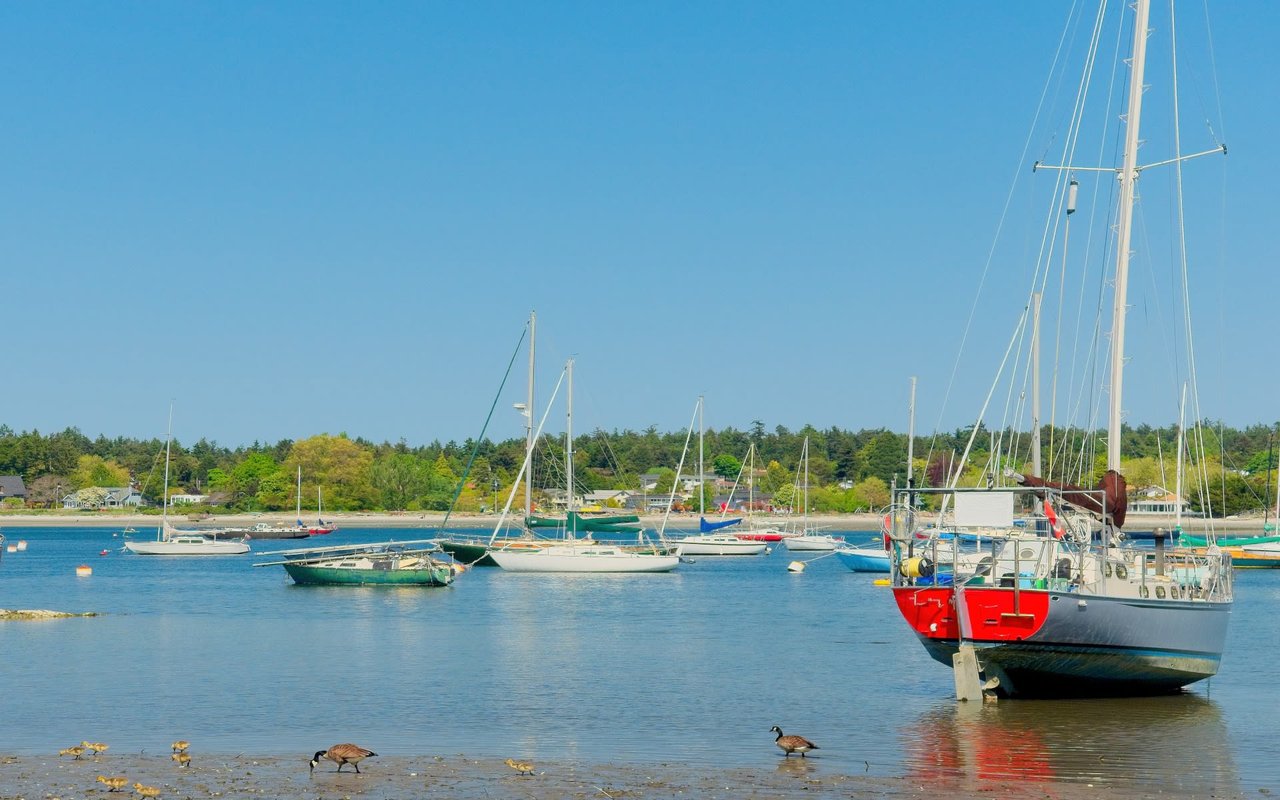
{"x": 464, "y": 778}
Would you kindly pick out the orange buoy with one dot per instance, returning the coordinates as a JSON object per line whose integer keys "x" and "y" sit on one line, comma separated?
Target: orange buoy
{"x": 84, "y": 571}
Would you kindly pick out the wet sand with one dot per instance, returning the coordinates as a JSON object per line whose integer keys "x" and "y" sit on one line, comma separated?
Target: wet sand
{"x": 402, "y": 777}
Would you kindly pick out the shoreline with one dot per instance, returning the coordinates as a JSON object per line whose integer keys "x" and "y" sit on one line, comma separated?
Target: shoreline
{"x": 468, "y": 778}
{"x": 432, "y": 519}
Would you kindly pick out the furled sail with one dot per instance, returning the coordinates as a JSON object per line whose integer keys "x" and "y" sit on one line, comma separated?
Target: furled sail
{"x": 1115, "y": 495}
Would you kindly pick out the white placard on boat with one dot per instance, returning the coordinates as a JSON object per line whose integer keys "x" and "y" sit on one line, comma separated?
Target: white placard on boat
{"x": 994, "y": 510}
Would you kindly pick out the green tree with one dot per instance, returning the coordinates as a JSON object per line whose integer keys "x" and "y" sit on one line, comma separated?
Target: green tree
{"x": 97, "y": 471}
{"x": 873, "y": 492}
{"x": 400, "y": 479}
{"x": 726, "y": 466}
{"x": 666, "y": 480}
{"x": 339, "y": 466}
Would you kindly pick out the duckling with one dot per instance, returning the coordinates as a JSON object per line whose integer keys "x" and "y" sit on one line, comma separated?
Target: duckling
{"x": 521, "y": 767}
{"x": 792, "y": 744}
{"x": 183, "y": 759}
{"x": 114, "y": 784}
{"x": 74, "y": 752}
{"x": 342, "y": 754}
{"x": 181, "y": 746}
{"x": 147, "y": 791}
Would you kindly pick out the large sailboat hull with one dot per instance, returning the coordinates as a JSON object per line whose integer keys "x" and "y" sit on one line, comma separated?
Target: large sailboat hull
{"x": 719, "y": 544}
{"x": 1063, "y": 643}
{"x": 183, "y": 546}
{"x": 598, "y": 559}
{"x": 864, "y": 559}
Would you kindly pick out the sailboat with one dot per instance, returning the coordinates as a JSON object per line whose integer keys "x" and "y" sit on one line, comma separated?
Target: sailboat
{"x": 752, "y": 530}
{"x": 808, "y": 539}
{"x": 709, "y": 542}
{"x": 411, "y": 563}
{"x": 575, "y": 555}
{"x": 1048, "y": 609}
{"x": 321, "y": 527}
{"x": 170, "y": 541}
{"x": 475, "y": 550}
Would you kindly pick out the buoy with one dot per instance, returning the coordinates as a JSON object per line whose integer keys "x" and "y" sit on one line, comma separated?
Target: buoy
{"x": 880, "y": 582}
{"x": 795, "y": 566}
{"x": 84, "y": 571}
{"x": 103, "y": 553}
{"x": 22, "y": 544}
{"x": 13, "y": 548}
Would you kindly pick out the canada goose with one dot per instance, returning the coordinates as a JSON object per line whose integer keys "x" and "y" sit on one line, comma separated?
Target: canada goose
{"x": 98, "y": 748}
{"x": 74, "y": 752}
{"x": 114, "y": 784}
{"x": 342, "y": 754}
{"x": 792, "y": 744}
{"x": 521, "y": 767}
{"x": 147, "y": 791}
{"x": 183, "y": 759}
{"x": 181, "y": 746}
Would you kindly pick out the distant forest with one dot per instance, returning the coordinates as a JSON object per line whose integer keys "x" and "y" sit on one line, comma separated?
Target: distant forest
{"x": 848, "y": 470}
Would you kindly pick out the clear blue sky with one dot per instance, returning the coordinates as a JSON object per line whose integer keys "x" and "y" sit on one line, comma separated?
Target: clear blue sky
{"x": 295, "y": 218}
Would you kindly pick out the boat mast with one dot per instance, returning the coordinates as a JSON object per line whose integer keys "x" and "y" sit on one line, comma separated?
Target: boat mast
{"x": 1128, "y": 179}
{"x": 1035, "y": 385}
{"x": 1177, "y": 478}
{"x": 702, "y": 493}
{"x": 298, "y": 494}
{"x": 164, "y": 512}
{"x": 568, "y": 448}
{"x": 911, "y": 433}
{"x": 528, "y": 421}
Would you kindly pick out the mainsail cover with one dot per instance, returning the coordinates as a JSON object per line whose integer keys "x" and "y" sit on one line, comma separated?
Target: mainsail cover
{"x": 708, "y": 527}
{"x": 1112, "y": 486}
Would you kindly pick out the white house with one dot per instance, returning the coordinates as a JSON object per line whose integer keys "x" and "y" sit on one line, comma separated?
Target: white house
{"x": 187, "y": 499}
{"x": 1157, "y": 500}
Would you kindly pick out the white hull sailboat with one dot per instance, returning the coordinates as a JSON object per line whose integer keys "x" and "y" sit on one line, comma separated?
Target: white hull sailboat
{"x": 574, "y": 556}
{"x": 711, "y": 543}
{"x": 582, "y": 558}
{"x": 170, "y": 541}
{"x": 807, "y": 539}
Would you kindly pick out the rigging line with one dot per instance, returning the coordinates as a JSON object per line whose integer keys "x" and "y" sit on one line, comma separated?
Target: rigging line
{"x": 462, "y": 481}
{"x": 528, "y": 457}
{"x": 1022, "y": 160}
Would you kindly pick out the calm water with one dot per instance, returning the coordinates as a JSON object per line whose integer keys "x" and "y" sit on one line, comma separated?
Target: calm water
{"x": 692, "y": 666}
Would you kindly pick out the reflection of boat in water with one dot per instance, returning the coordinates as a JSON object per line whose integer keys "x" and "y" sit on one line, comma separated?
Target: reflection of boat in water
{"x": 1176, "y": 744}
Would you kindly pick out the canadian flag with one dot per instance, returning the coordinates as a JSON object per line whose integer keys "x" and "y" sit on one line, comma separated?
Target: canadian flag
{"x": 1053, "y": 519}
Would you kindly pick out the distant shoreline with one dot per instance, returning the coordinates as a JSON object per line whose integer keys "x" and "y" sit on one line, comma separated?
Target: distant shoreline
{"x": 432, "y": 519}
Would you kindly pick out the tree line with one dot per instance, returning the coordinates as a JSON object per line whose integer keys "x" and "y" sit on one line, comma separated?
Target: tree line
{"x": 847, "y": 470}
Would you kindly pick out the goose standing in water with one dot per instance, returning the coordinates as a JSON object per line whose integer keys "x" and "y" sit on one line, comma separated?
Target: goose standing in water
{"x": 793, "y": 744}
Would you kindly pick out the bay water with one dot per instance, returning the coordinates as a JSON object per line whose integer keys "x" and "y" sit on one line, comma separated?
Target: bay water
{"x": 692, "y": 666}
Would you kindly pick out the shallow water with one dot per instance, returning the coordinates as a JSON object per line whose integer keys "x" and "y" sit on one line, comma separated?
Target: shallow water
{"x": 691, "y": 666}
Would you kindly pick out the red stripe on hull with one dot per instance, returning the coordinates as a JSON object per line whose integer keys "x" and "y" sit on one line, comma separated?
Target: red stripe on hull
{"x": 993, "y": 617}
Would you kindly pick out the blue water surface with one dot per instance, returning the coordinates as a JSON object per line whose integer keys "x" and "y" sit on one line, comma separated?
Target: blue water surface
{"x": 693, "y": 666}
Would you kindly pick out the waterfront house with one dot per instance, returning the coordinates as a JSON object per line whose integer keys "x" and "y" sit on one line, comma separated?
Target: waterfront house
{"x": 12, "y": 486}
{"x": 1157, "y": 500}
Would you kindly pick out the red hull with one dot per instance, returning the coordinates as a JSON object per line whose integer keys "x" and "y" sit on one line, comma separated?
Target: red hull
{"x": 931, "y": 612}
{"x": 319, "y": 531}
{"x": 759, "y": 537}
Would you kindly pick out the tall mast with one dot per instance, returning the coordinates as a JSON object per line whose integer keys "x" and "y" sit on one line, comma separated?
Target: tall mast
{"x": 568, "y": 439}
{"x": 164, "y": 512}
{"x": 911, "y": 432}
{"x": 528, "y": 421}
{"x": 1128, "y": 179}
{"x": 1035, "y": 385}
{"x": 1177, "y": 511}
{"x": 299, "y": 494}
{"x": 702, "y": 493}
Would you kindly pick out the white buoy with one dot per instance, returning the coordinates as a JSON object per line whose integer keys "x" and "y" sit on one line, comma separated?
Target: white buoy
{"x": 22, "y": 544}
{"x": 12, "y": 548}
{"x": 795, "y": 566}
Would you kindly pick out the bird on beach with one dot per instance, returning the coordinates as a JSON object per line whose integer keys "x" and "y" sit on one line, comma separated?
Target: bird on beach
{"x": 342, "y": 754}
{"x": 147, "y": 791}
{"x": 74, "y": 752}
{"x": 183, "y": 759}
{"x": 98, "y": 748}
{"x": 114, "y": 784}
{"x": 181, "y": 746}
{"x": 792, "y": 744}
{"x": 521, "y": 767}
